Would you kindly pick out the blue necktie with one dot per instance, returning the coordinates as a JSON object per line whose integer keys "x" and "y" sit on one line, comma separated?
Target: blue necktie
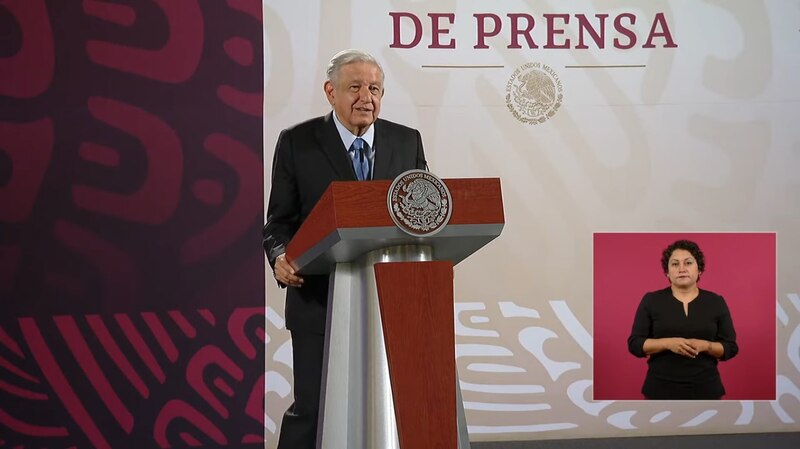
{"x": 360, "y": 159}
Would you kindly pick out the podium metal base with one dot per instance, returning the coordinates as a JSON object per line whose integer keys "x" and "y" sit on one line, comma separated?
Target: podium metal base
{"x": 357, "y": 408}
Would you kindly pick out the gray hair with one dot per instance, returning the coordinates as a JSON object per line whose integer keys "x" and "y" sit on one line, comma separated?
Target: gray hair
{"x": 349, "y": 56}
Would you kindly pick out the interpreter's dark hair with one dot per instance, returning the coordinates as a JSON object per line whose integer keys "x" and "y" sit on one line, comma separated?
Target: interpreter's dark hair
{"x": 687, "y": 245}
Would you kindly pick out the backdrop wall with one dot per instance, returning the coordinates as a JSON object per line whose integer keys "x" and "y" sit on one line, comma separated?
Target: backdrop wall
{"x": 599, "y": 117}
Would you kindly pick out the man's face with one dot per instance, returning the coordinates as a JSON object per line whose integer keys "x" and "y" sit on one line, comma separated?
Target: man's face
{"x": 356, "y": 95}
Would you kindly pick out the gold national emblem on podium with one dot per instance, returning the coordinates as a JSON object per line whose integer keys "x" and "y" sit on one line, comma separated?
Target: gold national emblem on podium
{"x": 534, "y": 93}
{"x": 419, "y": 203}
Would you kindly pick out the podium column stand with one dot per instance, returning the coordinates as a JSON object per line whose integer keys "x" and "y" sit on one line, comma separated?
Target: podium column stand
{"x": 389, "y": 373}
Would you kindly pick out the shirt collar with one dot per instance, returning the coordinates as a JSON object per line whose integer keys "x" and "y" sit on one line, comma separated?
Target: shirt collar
{"x": 348, "y": 137}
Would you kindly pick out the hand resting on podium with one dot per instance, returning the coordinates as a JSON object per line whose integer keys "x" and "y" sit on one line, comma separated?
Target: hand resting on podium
{"x": 285, "y": 274}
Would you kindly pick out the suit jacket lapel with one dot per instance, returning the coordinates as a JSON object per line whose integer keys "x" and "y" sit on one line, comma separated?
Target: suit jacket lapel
{"x": 332, "y": 146}
{"x": 384, "y": 148}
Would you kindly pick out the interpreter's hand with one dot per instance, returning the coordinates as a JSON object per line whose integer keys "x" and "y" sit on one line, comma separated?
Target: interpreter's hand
{"x": 700, "y": 345}
{"x": 285, "y": 274}
{"x": 682, "y": 346}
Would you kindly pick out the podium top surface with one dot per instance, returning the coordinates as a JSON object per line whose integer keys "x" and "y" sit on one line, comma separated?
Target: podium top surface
{"x": 352, "y": 218}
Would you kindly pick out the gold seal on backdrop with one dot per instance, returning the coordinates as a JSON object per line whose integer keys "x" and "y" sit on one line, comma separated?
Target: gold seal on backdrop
{"x": 534, "y": 93}
{"x": 419, "y": 203}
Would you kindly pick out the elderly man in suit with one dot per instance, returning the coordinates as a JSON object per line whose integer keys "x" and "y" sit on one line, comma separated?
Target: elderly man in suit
{"x": 347, "y": 144}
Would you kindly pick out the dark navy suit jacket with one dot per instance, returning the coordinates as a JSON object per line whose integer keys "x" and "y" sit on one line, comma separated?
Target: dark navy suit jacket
{"x": 308, "y": 156}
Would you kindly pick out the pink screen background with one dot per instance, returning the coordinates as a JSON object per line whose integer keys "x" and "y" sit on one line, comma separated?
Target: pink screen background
{"x": 739, "y": 266}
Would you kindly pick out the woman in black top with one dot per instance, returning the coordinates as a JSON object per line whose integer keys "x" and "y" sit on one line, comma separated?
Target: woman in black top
{"x": 683, "y": 330}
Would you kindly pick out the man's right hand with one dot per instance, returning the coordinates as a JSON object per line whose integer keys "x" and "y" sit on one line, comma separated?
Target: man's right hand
{"x": 285, "y": 274}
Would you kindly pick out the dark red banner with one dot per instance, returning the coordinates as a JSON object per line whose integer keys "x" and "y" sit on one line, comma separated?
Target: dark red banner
{"x": 131, "y": 203}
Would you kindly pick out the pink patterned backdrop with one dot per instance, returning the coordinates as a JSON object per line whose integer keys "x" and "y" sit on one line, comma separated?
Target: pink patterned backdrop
{"x": 131, "y": 202}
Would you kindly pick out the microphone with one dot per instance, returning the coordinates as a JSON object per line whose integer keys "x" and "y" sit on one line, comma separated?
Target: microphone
{"x": 422, "y": 162}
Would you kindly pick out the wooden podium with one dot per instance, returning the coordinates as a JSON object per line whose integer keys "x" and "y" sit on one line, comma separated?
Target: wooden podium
{"x": 389, "y": 374}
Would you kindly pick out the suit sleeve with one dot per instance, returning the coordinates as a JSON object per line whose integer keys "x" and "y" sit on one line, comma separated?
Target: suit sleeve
{"x": 642, "y": 329}
{"x": 726, "y": 334}
{"x": 283, "y": 209}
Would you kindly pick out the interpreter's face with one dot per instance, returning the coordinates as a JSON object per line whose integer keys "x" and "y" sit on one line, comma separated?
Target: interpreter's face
{"x": 356, "y": 97}
{"x": 682, "y": 269}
